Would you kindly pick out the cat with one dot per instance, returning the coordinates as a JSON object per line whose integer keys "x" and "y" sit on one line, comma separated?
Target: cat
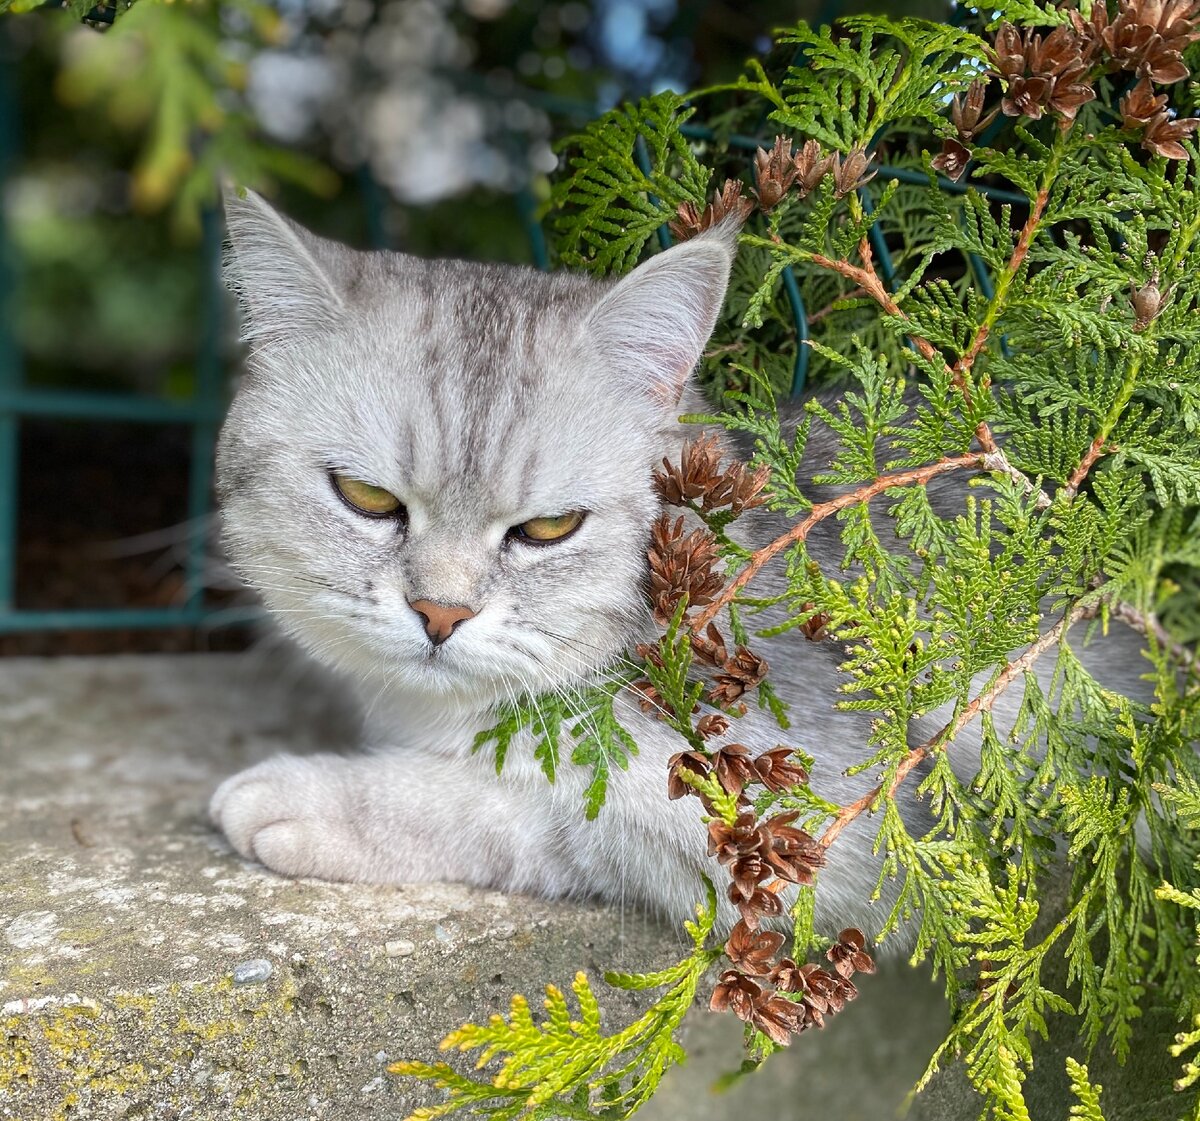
{"x": 438, "y": 476}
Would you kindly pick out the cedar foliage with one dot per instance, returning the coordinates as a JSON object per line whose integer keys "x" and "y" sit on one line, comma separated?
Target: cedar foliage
{"x": 1061, "y": 319}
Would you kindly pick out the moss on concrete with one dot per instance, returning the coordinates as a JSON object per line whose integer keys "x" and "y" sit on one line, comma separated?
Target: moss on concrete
{"x": 97, "y": 1058}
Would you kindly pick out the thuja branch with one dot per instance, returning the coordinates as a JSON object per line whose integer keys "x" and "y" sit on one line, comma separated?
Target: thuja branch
{"x": 1004, "y": 281}
{"x": 1148, "y": 624}
{"x": 566, "y": 1066}
{"x": 1097, "y": 448}
{"x": 917, "y": 476}
{"x": 982, "y": 573}
{"x": 1148, "y": 302}
{"x": 775, "y": 996}
{"x": 982, "y": 703}
{"x": 870, "y": 284}
{"x": 867, "y": 280}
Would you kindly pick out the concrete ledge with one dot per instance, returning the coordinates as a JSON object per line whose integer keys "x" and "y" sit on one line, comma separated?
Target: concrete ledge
{"x": 147, "y": 973}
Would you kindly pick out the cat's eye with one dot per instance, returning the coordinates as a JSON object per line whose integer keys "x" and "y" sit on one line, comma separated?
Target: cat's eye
{"x": 543, "y": 531}
{"x": 373, "y": 501}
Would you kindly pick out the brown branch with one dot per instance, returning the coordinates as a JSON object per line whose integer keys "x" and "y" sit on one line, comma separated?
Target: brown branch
{"x": 823, "y": 510}
{"x": 1096, "y": 449}
{"x": 1145, "y": 623}
{"x": 848, "y": 813}
{"x": 728, "y": 348}
{"x": 982, "y": 703}
{"x": 868, "y": 280}
{"x": 992, "y": 459}
{"x": 966, "y": 361}
{"x": 983, "y": 432}
{"x": 867, "y": 254}
{"x": 1024, "y": 242}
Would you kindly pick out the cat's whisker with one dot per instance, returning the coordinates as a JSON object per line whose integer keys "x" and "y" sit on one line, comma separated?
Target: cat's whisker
{"x": 290, "y": 573}
{"x": 388, "y": 681}
{"x": 294, "y": 577}
{"x": 618, "y": 657}
{"x": 625, "y": 662}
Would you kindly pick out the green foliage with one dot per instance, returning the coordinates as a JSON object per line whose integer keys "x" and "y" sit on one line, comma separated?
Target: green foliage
{"x": 671, "y": 676}
{"x": 632, "y": 168}
{"x": 171, "y": 74}
{"x": 1184, "y": 799}
{"x": 845, "y": 91}
{"x": 78, "y": 9}
{"x": 565, "y": 1066}
{"x": 1028, "y": 12}
{"x": 597, "y": 738}
{"x": 754, "y": 412}
{"x": 1087, "y": 1105}
{"x": 1056, "y": 330}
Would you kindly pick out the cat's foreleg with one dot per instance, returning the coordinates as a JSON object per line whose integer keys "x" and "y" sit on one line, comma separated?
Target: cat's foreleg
{"x": 389, "y": 816}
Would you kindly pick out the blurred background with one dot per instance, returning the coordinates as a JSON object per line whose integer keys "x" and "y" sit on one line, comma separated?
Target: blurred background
{"x": 422, "y": 125}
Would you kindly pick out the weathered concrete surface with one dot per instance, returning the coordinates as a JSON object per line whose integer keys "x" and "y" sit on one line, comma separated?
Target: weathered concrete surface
{"x": 146, "y": 972}
{"x": 124, "y": 920}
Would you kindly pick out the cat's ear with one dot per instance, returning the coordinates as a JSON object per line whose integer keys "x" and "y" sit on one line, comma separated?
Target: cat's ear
{"x": 654, "y": 323}
{"x": 282, "y": 274}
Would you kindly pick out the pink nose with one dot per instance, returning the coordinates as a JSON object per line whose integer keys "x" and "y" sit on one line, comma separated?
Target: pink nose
{"x": 440, "y": 619}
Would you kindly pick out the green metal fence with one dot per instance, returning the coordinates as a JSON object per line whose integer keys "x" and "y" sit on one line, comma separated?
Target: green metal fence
{"x": 201, "y": 414}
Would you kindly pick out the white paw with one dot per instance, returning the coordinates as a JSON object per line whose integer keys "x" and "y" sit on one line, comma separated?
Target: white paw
{"x": 286, "y": 814}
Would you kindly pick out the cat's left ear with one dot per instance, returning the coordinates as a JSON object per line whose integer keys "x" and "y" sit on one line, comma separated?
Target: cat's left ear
{"x": 654, "y": 324}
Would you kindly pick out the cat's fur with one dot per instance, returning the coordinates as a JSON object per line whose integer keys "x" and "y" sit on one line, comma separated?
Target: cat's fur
{"x": 483, "y": 396}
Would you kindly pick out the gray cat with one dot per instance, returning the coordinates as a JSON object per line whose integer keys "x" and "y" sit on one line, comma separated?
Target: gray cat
{"x": 438, "y": 476}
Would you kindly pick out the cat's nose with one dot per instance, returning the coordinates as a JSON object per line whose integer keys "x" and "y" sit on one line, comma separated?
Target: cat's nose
{"x": 440, "y": 619}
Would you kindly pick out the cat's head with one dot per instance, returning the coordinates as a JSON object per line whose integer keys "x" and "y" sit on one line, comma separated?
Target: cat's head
{"x": 438, "y": 474}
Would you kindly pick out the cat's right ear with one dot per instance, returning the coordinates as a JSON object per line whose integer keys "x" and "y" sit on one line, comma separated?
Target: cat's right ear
{"x": 275, "y": 268}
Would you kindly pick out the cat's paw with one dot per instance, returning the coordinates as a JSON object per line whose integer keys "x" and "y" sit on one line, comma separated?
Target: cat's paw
{"x": 288, "y": 814}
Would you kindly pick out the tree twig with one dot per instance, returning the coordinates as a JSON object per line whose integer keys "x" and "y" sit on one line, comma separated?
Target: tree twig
{"x": 982, "y": 703}
{"x": 823, "y": 510}
{"x": 1095, "y": 450}
{"x": 1024, "y": 242}
{"x": 868, "y": 279}
{"x": 1147, "y": 623}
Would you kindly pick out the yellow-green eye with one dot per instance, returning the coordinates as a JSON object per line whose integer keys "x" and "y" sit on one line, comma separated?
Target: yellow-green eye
{"x": 373, "y": 501}
{"x": 543, "y": 530}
